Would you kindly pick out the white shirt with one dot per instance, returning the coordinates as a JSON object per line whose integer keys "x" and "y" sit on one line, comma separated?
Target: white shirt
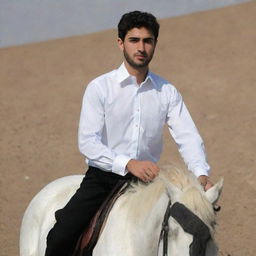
{"x": 121, "y": 120}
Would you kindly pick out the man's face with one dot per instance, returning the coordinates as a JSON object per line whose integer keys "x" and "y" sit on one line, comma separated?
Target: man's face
{"x": 138, "y": 47}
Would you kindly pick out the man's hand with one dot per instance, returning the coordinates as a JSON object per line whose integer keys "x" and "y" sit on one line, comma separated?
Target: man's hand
{"x": 205, "y": 182}
{"x": 144, "y": 170}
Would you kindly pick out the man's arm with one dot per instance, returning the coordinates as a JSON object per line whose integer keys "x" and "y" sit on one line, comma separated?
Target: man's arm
{"x": 90, "y": 133}
{"x": 188, "y": 139}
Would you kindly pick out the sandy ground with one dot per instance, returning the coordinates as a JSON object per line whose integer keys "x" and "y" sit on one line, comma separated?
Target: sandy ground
{"x": 210, "y": 57}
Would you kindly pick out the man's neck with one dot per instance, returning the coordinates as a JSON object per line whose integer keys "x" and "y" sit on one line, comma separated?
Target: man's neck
{"x": 139, "y": 73}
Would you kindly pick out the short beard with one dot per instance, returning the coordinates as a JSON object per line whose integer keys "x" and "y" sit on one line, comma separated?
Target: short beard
{"x": 134, "y": 64}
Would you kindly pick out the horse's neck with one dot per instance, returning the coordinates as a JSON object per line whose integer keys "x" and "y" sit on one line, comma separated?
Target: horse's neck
{"x": 150, "y": 226}
{"x": 138, "y": 233}
{"x": 156, "y": 214}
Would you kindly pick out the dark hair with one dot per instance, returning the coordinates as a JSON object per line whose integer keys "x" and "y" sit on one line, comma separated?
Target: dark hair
{"x": 137, "y": 19}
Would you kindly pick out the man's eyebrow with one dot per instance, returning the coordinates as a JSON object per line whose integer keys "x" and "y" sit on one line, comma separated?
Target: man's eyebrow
{"x": 146, "y": 38}
{"x": 133, "y": 37}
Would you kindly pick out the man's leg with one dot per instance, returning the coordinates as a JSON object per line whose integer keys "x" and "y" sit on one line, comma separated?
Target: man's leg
{"x": 76, "y": 215}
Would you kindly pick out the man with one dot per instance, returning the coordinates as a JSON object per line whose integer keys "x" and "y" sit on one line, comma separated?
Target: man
{"x": 121, "y": 127}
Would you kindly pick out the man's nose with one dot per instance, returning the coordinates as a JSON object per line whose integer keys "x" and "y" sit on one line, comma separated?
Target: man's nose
{"x": 141, "y": 46}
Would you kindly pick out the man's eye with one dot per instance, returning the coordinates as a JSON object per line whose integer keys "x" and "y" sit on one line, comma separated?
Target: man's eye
{"x": 133, "y": 40}
{"x": 149, "y": 41}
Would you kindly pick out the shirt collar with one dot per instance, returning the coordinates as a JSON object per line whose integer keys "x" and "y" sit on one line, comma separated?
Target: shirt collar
{"x": 151, "y": 78}
{"x": 123, "y": 74}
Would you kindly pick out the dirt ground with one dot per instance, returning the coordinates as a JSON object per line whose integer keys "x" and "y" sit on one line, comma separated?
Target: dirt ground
{"x": 209, "y": 56}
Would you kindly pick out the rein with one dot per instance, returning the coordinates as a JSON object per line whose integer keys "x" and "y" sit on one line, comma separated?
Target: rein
{"x": 165, "y": 229}
{"x": 190, "y": 224}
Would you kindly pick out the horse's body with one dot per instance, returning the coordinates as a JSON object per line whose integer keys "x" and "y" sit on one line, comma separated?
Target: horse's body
{"x": 134, "y": 223}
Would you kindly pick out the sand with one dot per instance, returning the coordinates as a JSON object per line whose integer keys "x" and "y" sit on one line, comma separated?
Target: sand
{"x": 209, "y": 56}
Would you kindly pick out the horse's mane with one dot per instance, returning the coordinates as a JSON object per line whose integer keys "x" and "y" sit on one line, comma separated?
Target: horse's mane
{"x": 142, "y": 197}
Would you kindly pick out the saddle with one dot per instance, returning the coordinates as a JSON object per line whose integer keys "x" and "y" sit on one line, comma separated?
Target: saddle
{"x": 89, "y": 237}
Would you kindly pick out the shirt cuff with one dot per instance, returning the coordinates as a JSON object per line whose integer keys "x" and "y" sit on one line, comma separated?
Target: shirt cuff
{"x": 119, "y": 165}
{"x": 198, "y": 172}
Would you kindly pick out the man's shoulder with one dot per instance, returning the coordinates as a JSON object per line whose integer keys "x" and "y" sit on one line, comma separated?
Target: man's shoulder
{"x": 161, "y": 82}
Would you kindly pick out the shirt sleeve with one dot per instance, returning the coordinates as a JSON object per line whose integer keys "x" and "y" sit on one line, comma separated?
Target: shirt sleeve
{"x": 186, "y": 136}
{"x": 90, "y": 131}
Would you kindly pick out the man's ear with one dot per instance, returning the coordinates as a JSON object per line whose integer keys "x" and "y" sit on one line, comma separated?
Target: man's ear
{"x": 120, "y": 43}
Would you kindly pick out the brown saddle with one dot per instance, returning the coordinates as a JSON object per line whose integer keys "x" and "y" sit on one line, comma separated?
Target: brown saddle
{"x": 90, "y": 236}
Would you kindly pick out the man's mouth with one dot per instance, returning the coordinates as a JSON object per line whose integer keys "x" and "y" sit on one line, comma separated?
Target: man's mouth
{"x": 141, "y": 57}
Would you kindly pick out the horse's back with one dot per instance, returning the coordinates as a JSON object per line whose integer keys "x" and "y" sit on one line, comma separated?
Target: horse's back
{"x": 39, "y": 216}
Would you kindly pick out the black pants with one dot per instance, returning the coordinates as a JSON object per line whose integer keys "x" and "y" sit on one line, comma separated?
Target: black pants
{"x": 76, "y": 215}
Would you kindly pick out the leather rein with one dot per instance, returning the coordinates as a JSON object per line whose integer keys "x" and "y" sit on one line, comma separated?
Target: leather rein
{"x": 165, "y": 230}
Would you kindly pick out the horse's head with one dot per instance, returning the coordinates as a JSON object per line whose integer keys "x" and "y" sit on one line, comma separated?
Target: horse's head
{"x": 191, "y": 218}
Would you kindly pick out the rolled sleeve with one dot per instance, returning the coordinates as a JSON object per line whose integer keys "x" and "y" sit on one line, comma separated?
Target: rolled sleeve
{"x": 119, "y": 164}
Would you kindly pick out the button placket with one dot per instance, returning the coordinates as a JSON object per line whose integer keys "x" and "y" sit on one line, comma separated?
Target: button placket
{"x": 136, "y": 130}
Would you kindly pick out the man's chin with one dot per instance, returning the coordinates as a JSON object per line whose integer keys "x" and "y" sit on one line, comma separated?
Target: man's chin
{"x": 140, "y": 64}
{"x": 137, "y": 63}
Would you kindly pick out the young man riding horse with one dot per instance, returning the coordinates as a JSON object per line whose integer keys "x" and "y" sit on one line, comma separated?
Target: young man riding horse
{"x": 121, "y": 129}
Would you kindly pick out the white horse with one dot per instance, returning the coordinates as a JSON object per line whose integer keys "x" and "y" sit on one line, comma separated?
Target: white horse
{"x": 134, "y": 224}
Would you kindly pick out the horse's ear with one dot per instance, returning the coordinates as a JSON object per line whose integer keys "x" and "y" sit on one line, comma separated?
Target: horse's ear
{"x": 214, "y": 192}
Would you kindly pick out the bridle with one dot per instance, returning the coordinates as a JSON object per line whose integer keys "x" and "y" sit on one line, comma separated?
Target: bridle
{"x": 190, "y": 224}
{"x": 165, "y": 230}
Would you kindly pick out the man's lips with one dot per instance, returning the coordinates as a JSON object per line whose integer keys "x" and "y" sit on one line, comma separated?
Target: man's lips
{"x": 141, "y": 57}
